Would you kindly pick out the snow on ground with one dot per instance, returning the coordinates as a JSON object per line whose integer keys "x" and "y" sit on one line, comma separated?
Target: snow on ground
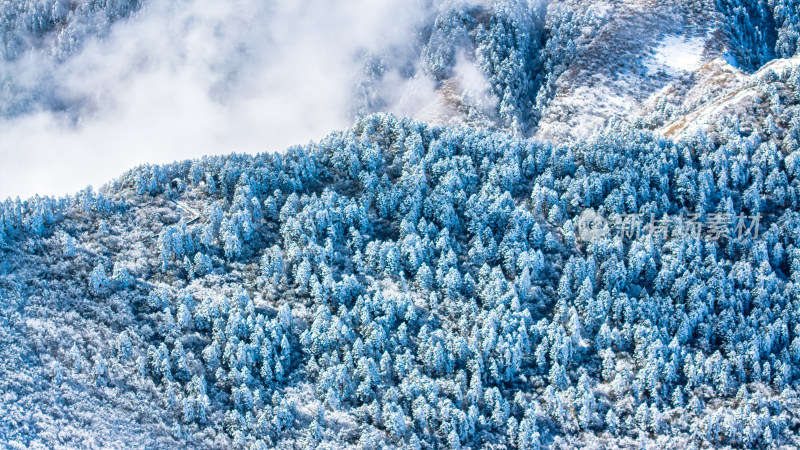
{"x": 779, "y": 66}
{"x": 702, "y": 118}
{"x": 677, "y": 53}
{"x": 585, "y": 109}
{"x": 735, "y": 94}
{"x": 629, "y": 59}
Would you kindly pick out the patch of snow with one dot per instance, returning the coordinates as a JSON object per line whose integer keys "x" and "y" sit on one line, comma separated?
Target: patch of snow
{"x": 584, "y": 110}
{"x": 619, "y": 101}
{"x": 733, "y": 87}
{"x": 701, "y": 118}
{"x": 677, "y": 53}
{"x": 779, "y": 66}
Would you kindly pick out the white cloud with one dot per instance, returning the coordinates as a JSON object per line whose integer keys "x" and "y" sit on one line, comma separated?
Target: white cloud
{"x": 476, "y": 88}
{"x": 186, "y": 78}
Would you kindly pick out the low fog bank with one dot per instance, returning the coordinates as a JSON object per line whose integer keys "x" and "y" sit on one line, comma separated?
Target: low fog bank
{"x": 181, "y": 79}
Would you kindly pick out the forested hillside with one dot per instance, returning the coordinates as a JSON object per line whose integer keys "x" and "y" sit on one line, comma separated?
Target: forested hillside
{"x": 405, "y": 285}
{"x": 398, "y": 284}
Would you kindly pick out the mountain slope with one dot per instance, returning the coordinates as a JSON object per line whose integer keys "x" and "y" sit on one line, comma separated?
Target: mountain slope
{"x": 606, "y": 255}
{"x": 404, "y": 285}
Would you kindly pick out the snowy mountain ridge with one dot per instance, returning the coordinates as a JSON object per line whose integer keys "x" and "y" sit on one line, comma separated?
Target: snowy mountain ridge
{"x": 741, "y": 90}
